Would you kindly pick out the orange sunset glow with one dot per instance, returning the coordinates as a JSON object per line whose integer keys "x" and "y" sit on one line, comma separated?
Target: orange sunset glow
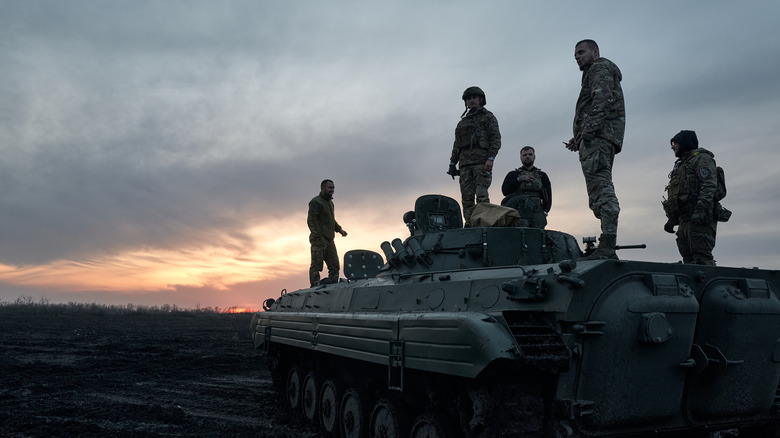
{"x": 280, "y": 252}
{"x": 162, "y": 153}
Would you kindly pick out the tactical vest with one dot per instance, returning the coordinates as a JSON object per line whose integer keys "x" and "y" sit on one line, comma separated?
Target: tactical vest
{"x": 684, "y": 185}
{"x": 533, "y": 188}
{"x": 472, "y": 132}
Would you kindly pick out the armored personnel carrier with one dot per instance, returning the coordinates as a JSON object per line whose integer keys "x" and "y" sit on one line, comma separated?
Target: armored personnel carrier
{"x": 499, "y": 332}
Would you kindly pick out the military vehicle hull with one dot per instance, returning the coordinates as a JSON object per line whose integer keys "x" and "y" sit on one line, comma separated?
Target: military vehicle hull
{"x": 487, "y": 332}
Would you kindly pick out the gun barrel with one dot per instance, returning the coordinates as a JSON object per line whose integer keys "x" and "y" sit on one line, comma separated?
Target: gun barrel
{"x": 639, "y": 246}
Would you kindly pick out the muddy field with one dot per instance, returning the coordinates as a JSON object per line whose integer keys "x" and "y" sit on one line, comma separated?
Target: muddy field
{"x": 99, "y": 374}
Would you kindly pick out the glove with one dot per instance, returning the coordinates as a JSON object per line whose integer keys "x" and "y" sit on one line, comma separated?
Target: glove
{"x": 453, "y": 171}
{"x": 669, "y": 226}
{"x": 701, "y": 215}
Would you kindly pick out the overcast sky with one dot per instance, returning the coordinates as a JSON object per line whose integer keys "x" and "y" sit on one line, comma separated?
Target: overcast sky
{"x": 165, "y": 152}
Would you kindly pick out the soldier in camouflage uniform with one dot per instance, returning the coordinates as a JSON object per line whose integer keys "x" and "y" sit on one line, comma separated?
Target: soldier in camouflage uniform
{"x": 691, "y": 199}
{"x": 599, "y": 125}
{"x": 477, "y": 141}
{"x": 528, "y": 190}
{"x": 322, "y": 230}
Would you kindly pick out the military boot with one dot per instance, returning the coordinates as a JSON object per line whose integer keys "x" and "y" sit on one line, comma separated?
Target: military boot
{"x": 606, "y": 248}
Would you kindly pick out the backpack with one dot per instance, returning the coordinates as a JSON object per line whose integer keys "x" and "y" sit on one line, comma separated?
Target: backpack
{"x": 720, "y": 192}
{"x": 721, "y": 213}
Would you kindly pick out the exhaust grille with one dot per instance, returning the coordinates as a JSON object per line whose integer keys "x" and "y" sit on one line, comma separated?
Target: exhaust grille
{"x": 539, "y": 341}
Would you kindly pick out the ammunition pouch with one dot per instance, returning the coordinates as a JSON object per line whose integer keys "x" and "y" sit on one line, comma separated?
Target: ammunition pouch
{"x": 671, "y": 209}
{"x": 721, "y": 213}
{"x": 531, "y": 188}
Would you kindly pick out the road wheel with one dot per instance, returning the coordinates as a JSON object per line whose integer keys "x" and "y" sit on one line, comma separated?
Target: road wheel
{"x": 353, "y": 414}
{"x": 389, "y": 420}
{"x": 330, "y": 394}
{"x": 293, "y": 388}
{"x": 433, "y": 426}
{"x": 309, "y": 397}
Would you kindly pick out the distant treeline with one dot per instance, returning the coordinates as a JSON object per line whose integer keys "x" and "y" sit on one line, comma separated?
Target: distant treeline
{"x": 28, "y": 304}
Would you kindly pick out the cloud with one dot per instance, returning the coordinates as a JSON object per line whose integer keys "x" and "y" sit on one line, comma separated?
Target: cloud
{"x": 167, "y": 141}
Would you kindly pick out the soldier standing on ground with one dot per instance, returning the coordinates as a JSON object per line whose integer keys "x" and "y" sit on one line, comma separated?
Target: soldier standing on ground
{"x": 691, "y": 199}
{"x": 477, "y": 141}
{"x": 528, "y": 189}
{"x": 599, "y": 126}
{"x": 323, "y": 228}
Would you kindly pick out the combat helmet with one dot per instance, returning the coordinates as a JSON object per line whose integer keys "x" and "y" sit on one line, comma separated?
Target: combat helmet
{"x": 472, "y": 91}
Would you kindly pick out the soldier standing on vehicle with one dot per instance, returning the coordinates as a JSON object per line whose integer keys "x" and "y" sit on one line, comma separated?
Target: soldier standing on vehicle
{"x": 477, "y": 141}
{"x": 692, "y": 200}
{"x": 528, "y": 190}
{"x": 322, "y": 230}
{"x": 599, "y": 125}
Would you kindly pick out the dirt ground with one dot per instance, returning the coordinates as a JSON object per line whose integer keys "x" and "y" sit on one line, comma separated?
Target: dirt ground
{"x": 180, "y": 374}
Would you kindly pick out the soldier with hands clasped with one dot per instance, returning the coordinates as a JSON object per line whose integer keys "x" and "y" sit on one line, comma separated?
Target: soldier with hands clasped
{"x": 528, "y": 190}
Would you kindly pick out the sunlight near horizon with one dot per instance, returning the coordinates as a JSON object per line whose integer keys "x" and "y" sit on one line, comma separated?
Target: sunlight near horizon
{"x": 280, "y": 249}
{"x": 278, "y": 254}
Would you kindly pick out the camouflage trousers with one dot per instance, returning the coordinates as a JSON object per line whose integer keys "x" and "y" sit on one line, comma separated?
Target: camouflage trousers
{"x": 474, "y": 182}
{"x": 323, "y": 250}
{"x": 695, "y": 242}
{"x": 596, "y": 158}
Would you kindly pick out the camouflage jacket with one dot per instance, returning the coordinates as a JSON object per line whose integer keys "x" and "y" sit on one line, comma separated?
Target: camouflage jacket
{"x": 601, "y": 111}
{"x": 476, "y": 138}
{"x": 322, "y": 219}
{"x": 692, "y": 184}
{"x": 539, "y": 186}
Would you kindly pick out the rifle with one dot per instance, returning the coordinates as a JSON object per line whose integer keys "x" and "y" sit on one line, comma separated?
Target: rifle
{"x": 590, "y": 245}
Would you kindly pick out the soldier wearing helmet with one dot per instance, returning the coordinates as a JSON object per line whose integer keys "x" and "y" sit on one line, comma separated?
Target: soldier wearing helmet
{"x": 477, "y": 141}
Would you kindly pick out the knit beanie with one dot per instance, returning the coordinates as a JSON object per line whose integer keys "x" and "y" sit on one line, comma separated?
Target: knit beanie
{"x": 687, "y": 140}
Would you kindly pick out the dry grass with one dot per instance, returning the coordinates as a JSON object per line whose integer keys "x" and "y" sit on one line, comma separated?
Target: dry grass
{"x": 27, "y": 305}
